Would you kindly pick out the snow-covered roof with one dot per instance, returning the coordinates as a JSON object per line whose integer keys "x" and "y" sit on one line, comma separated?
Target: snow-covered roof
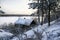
{"x": 24, "y": 21}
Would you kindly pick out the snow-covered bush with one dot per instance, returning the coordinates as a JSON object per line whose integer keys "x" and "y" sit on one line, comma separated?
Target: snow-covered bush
{"x": 5, "y": 35}
{"x": 52, "y": 33}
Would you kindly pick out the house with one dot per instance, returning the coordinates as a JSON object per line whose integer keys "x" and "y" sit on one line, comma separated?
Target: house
{"x": 25, "y": 22}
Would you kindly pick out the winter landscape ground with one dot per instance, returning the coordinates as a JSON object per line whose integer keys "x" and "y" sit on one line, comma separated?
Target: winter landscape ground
{"x": 43, "y": 32}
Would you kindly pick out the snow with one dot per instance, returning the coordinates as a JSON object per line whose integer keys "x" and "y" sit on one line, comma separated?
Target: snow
{"x": 15, "y": 38}
{"x": 48, "y": 32}
{"x": 5, "y": 34}
{"x": 24, "y": 21}
{"x": 7, "y": 20}
{"x": 30, "y": 33}
{"x": 39, "y": 28}
{"x": 52, "y": 32}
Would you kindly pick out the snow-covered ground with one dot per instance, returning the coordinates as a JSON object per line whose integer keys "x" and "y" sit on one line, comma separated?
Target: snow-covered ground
{"x": 48, "y": 32}
{"x": 5, "y": 35}
{"x": 53, "y": 32}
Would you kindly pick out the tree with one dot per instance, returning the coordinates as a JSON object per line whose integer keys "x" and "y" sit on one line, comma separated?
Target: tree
{"x": 51, "y": 6}
{"x": 44, "y": 6}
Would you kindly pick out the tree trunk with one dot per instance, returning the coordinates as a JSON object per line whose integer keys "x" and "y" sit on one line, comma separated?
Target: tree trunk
{"x": 38, "y": 13}
{"x": 49, "y": 16}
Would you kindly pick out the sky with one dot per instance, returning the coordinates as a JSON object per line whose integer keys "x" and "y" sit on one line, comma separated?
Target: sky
{"x": 16, "y": 6}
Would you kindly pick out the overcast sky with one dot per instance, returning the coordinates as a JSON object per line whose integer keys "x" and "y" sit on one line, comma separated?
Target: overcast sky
{"x": 16, "y": 6}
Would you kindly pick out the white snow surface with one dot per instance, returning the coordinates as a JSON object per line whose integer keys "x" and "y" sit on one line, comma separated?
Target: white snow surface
{"x": 38, "y": 29}
{"x": 15, "y": 38}
{"x": 48, "y": 32}
{"x": 24, "y": 21}
{"x": 52, "y": 32}
{"x": 5, "y": 34}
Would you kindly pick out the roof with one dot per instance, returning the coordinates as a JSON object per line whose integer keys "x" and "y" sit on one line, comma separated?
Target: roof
{"x": 24, "y": 21}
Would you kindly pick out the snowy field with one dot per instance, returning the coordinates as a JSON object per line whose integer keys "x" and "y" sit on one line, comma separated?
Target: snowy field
{"x": 43, "y": 32}
{"x": 48, "y": 33}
